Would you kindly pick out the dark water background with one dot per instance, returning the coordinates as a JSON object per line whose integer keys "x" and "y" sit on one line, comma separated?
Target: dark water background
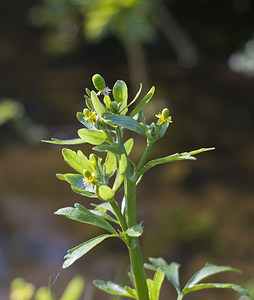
{"x": 193, "y": 212}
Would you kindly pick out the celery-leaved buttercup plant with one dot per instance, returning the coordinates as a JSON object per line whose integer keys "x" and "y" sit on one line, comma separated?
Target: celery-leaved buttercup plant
{"x": 105, "y": 119}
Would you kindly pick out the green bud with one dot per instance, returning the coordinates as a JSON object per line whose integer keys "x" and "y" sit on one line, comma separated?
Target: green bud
{"x": 86, "y": 112}
{"x": 98, "y": 82}
{"x": 165, "y": 113}
{"x": 114, "y": 106}
{"x": 86, "y": 174}
{"x": 120, "y": 92}
{"x": 107, "y": 101}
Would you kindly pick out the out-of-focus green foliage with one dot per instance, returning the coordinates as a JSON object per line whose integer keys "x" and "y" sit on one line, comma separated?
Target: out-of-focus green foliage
{"x": 20, "y": 289}
{"x": 129, "y": 20}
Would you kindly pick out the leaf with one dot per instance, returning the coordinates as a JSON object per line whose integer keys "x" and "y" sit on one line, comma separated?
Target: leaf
{"x": 94, "y": 137}
{"x": 103, "y": 215}
{"x": 75, "y": 141}
{"x": 122, "y": 164}
{"x": 128, "y": 145}
{"x": 113, "y": 288}
{"x": 98, "y": 106}
{"x": 106, "y": 148}
{"x": 135, "y": 230}
{"x": 74, "y": 289}
{"x": 110, "y": 164}
{"x": 77, "y": 252}
{"x": 171, "y": 271}
{"x": 106, "y": 193}
{"x": 173, "y": 158}
{"x": 154, "y": 286}
{"x": 81, "y": 214}
{"x": 126, "y": 122}
{"x": 143, "y": 102}
{"x": 208, "y": 270}
{"x": 79, "y": 186}
{"x": 202, "y": 286}
{"x": 78, "y": 161}
{"x": 61, "y": 177}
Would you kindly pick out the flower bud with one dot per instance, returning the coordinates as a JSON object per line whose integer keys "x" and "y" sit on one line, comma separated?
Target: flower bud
{"x": 86, "y": 112}
{"x": 86, "y": 174}
{"x": 98, "y": 82}
{"x": 165, "y": 113}
{"x": 107, "y": 101}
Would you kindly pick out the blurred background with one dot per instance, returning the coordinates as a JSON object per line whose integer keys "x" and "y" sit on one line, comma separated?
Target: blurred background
{"x": 200, "y": 57}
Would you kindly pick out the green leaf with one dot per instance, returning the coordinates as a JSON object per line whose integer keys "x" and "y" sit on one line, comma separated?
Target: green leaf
{"x": 94, "y": 137}
{"x": 208, "y": 270}
{"x": 143, "y": 102}
{"x": 110, "y": 164}
{"x": 61, "y": 177}
{"x": 173, "y": 158}
{"x": 202, "y": 286}
{"x": 106, "y": 193}
{"x": 75, "y": 141}
{"x": 77, "y": 252}
{"x": 74, "y": 289}
{"x": 114, "y": 289}
{"x": 79, "y": 186}
{"x": 103, "y": 215}
{"x": 154, "y": 286}
{"x": 122, "y": 164}
{"x": 171, "y": 271}
{"x": 98, "y": 106}
{"x": 106, "y": 148}
{"x": 128, "y": 145}
{"x": 83, "y": 215}
{"x": 74, "y": 160}
{"x": 120, "y": 94}
{"x": 126, "y": 122}
{"x": 135, "y": 230}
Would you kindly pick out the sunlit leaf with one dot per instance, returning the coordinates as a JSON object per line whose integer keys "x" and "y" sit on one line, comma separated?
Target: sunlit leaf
{"x": 98, "y": 106}
{"x": 106, "y": 148}
{"x": 143, "y": 102}
{"x": 106, "y": 193}
{"x": 128, "y": 145}
{"x": 126, "y": 122}
{"x": 94, "y": 137}
{"x": 87, "y": 124}
{"x": 114, "y": 289}
{"x": 110, "y": 164}
{"x": 75, "y": 141}
{"x": 154, "y": 286}
{"x": 81, "y": 214}
{"x": 77, "y": 252}
{"x": 135, "y": 230}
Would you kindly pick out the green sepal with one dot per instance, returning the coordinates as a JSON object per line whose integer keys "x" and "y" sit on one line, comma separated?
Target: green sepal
{"x": 120, "y": 94}
{"x": 98, "y": 106}
{"x": 126, "y": 122}
{"x": 81, "y": 214}
{"x": 80, "y": 250}
{"x": 55, "y": 141}
{"x": 115, "y": 289}
{"x": 143, "y": 102}
{"x": 94, "y": 137}
{"x": 135, "y": 230}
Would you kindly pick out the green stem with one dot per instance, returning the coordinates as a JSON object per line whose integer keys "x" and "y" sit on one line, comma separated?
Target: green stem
{"x": 119, "y": 215}
{"x": 145, "y": 155}
{"x": 133, "y": 246}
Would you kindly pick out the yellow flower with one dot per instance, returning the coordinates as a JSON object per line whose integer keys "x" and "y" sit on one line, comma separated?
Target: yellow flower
{"x": 90, "y": 178}
{"x": 164, "y": 117}
{"x": 89, "y": 115}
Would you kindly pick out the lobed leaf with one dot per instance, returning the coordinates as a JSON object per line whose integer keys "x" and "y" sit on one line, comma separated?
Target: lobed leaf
{"x": 81, "y": 214}
{"x": 154, "y": 286}
{"x": 126, "y": 122}
{"x": 80, "y": 250}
